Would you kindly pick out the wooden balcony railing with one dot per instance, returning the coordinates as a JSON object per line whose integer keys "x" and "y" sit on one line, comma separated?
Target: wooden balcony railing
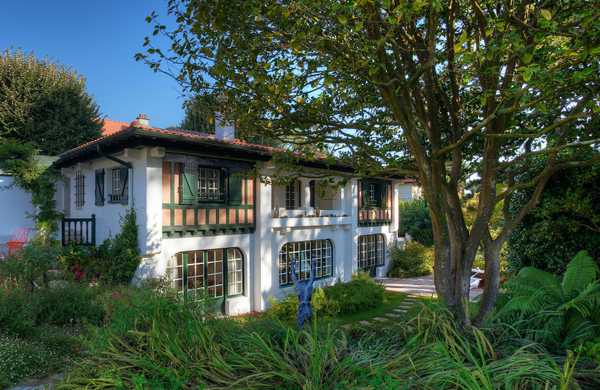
{"x": 79, "y": 231}
{"x": 374, "y": 216}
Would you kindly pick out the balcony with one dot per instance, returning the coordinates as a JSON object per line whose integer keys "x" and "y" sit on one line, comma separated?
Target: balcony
{"x": 286, "y": 219}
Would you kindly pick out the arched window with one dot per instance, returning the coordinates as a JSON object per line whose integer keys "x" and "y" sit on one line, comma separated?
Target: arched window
{"x": 302, "y": 252}
{"x": 213, "y": 273}
{"x": 371, "y": 252}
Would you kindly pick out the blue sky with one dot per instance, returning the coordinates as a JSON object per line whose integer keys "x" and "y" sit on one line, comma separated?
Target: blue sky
{"x": 98, "y": 39}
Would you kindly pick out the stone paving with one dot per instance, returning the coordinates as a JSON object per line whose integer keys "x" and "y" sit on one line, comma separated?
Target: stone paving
{"x": 419, "y": 287}
{"x": 396, "y": 313}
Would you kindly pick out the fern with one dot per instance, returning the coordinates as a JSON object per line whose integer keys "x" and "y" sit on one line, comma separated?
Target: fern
{"x": 548, "y": 310}
{"x": 581, "y": 271}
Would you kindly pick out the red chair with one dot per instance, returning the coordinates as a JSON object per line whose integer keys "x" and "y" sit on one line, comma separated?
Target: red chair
{"x": 18, "y": 240}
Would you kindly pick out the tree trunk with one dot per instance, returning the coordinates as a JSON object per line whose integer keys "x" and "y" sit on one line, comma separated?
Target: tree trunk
{"x": 452, "y": 271}
{"x": 492, "y": 280}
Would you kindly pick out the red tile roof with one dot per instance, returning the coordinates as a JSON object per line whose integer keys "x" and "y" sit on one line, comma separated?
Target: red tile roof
{"x": 110, "y": 127}
{"x": 113, "y": 130}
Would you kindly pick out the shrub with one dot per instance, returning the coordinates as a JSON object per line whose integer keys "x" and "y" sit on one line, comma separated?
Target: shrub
{"x": 22, "y": 312}
{"x": 414, "y": 260}
{"x": 17, "y": 314}
{"x": 564, "y": 222}
{"x": 68, "y": 305}
{"x": 119, "y": 257}
{"x": 361, "y": 293}
{"x": 28, "y": 266}
{"x": 416, "y": 221}
{"x": 81, "y": 262}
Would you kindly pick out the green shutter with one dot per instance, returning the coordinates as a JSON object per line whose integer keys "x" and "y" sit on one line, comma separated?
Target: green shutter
{"x": 99, "y": 187}
{"x": 124, "y": 185}
{"x": 381, "y": 194}
{"x": 236, "y": 181}
{"x": 189, "y": 184}
{"x": 364, "y": 189}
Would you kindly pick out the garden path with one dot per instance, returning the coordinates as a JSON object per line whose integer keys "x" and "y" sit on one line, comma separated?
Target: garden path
{"x": 421, "y": 286}
{"x": 394, "y": 314}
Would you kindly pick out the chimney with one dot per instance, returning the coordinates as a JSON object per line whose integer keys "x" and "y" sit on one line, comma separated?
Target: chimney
{"x": 224, "y": 131}
{"x": 142, "y": 120}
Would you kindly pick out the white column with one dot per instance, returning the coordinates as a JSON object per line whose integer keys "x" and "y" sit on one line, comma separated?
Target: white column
{"x": 263, "y": 264}
{"x": 306, "y": 195}
{"x": 353, "y": 212}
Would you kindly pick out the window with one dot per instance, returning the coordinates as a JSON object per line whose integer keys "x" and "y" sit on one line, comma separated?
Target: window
{"x": 210, "y": 185}
{"x": 201, "y": 273}
{"x": 99, "y": 192}
{"x": 292, "y": 195}
{"x": 371, "y": 251}
{"x": 374, "y": 193}
{"x": 235, "y": 272}
{"x": 371, "y": 194}
{"x": 79, "y": 189}
{"x": 119, "y": 185}
{"x": 302, "y": 252}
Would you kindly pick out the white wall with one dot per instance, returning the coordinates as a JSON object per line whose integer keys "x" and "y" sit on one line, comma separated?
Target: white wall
{"x": 15, "y": 208}
{"x": 108, "y": 216}
{"x": 260, "y": 249}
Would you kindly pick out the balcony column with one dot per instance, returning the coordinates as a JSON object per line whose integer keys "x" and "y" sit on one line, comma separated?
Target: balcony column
{"x": 306, "y": 195}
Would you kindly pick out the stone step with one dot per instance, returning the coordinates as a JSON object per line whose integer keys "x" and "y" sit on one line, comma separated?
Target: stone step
{"x": 399, "y": 310}
{"x": 365, "y": 323}
{"x": 380, "y": 319}
{"x": 393, "y": 315}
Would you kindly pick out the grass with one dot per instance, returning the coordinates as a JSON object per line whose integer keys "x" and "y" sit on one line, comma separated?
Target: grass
{"x": 154, "y": 342}
{"x": 391, "y": 300}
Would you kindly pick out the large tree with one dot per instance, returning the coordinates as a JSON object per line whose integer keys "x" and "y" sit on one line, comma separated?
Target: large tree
{"x": 44, "y": 104}
{"x": 445, "y": 91}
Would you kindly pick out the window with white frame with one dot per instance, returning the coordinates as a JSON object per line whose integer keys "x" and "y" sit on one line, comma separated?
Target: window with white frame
{"x": 292, "y": 195}
{"x": 371, "y": 251}
{"x": 235, "y": 272}
{"x": 372, "y": 194}
{"x": 302, "y": 252}
{"x": 212, "y": 273}
{"x": 119, "y": 185}
{"x": 210, "y": 185}
{"x": 79, "y": 189}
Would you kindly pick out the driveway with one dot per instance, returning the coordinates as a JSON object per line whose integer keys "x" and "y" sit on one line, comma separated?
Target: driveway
{"x": 418, "y": 286}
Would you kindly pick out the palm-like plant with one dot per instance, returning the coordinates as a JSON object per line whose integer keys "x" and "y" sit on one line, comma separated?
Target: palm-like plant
{"x": 557, "y": 312}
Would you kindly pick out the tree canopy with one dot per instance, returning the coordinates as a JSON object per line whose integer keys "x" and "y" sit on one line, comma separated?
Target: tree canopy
{"x": 442, "y": 91}
{"x": 44, "y": 104}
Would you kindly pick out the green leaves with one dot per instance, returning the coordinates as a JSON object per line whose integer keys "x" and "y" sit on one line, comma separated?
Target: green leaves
{"x": 44, "y": 104}
{"x": 581, "y": 271}
{"x": 546, "y": 14}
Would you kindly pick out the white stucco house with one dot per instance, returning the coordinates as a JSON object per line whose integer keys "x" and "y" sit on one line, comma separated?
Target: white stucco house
{"x": 213, "y": 219}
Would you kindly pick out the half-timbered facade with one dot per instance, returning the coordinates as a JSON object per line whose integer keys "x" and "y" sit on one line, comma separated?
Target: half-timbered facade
{"x": 214, "y": 220}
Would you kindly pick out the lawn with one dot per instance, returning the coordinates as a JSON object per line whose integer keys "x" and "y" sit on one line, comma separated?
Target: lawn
{"x": 391, "y": 300}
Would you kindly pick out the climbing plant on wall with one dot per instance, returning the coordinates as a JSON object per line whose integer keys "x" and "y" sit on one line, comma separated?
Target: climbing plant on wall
{"x": 35, "y": 177}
